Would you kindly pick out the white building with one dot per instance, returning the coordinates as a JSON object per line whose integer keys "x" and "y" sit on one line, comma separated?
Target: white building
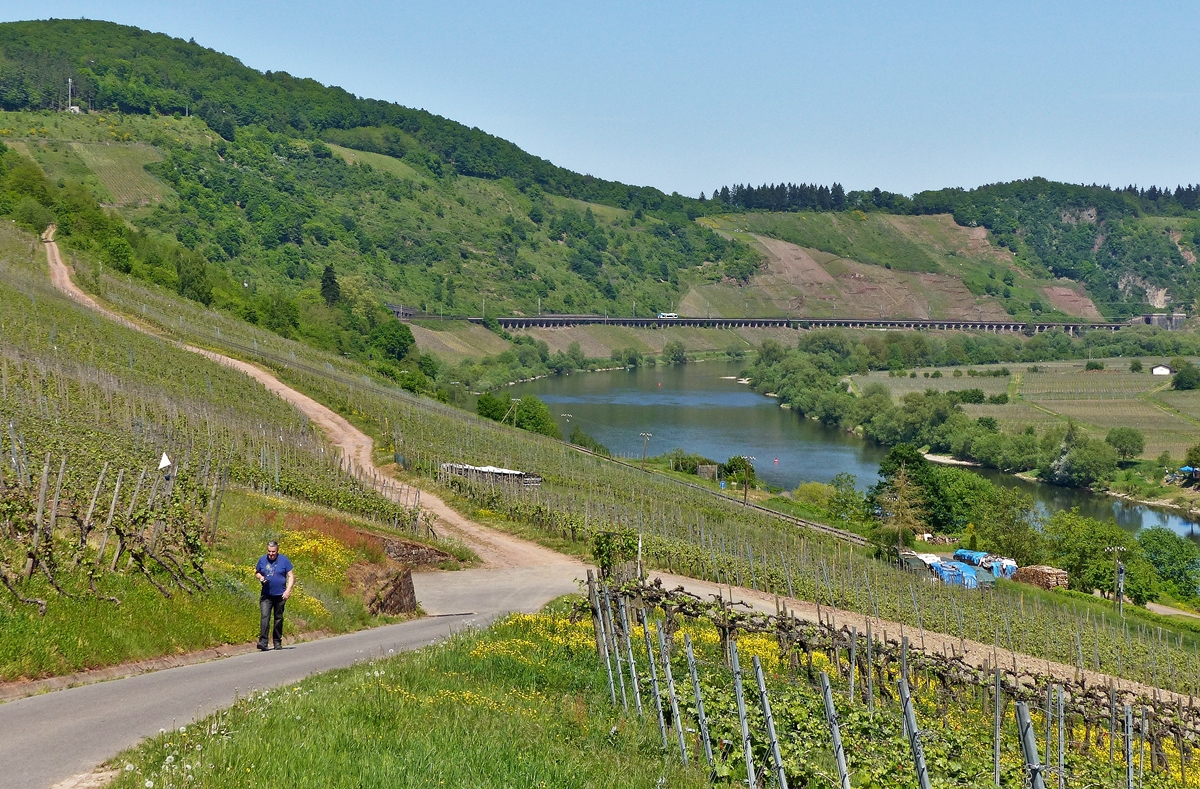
{"x": 1161, "y": 369}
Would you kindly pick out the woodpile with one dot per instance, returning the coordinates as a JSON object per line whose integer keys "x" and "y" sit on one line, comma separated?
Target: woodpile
{"x": 1041, "y": 575}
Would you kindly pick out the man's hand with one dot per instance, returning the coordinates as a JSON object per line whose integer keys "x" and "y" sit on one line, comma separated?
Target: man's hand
{"x": 287, "y": 593}
{"x": 260, "y": 578}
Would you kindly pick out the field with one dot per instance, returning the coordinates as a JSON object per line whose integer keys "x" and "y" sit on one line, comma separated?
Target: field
{"x": 1097, "y": 400}
{"x": 875, "y": 265}
{"x": 121, "y": 167}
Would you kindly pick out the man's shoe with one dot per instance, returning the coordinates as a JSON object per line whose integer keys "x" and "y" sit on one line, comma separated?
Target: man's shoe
{"x": 279, "y": 646}
{"x": 263, "y": 647}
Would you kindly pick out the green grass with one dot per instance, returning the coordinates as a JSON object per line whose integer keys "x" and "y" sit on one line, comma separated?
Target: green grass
{"x": 524, "y": 704}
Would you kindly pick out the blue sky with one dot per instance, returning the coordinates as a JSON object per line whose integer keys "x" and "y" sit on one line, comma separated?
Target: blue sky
{"x": 685, "y": 97}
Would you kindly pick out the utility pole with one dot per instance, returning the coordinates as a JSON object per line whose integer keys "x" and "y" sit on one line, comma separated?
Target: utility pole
{"x": 1118, "y": 576}
{"x": 645, "y": 440}
{"x": 746, "y": 478}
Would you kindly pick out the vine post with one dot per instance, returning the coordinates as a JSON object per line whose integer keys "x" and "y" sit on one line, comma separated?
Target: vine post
{"x": 835, "y": 732}
{"x": 738, "y": 694}
{"x": 1029, "y": 751}
{"x": 914, "y": 734}
{"x": 670, "y": 679}
{"x": 700, "y": 717}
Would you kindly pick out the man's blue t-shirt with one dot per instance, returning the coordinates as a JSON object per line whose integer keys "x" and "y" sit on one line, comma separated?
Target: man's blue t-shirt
{"x": 275, "y": 572}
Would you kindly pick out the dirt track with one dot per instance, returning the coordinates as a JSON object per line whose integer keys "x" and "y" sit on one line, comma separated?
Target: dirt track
{"x": 496, "y": 549}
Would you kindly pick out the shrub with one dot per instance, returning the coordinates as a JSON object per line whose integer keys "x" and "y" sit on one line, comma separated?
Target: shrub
{"x": 1092, "y": 364}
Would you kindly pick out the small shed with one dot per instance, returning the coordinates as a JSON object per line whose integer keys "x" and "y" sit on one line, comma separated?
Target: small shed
{"x": 1161, "y": 369}
{"x": 491, "y": 474}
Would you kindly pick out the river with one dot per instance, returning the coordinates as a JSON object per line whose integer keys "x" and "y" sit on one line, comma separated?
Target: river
{"x": 700, "y": 408}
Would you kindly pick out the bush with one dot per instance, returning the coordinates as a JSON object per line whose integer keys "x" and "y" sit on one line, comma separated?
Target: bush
{"x": 737, "y": 469}
{"x": 1093, "y": 365}
{"x": 674, "y": 353}
{"x": 1187, "y": 376}
{"x": 1135, "y": 366}
{"x": 32, "y": 214}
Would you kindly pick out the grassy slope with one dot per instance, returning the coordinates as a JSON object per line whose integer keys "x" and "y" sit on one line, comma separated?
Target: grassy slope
{"x": 916, "y": 266}
{"x": 523, "y": 704}
{"x": 83, "y": 632}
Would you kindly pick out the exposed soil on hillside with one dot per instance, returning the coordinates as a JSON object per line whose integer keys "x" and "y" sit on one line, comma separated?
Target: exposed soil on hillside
{"x": 1072, "y": 302}
{"x": 808, "y": 282}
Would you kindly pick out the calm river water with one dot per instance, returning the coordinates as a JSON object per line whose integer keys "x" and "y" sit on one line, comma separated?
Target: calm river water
{"x": 698, "y": 408}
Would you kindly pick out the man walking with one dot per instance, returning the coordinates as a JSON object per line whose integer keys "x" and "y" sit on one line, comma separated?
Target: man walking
{"x": 274, "y": 572}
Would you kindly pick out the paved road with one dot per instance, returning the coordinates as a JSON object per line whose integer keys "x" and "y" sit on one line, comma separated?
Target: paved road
{"x": 46, "y": 739}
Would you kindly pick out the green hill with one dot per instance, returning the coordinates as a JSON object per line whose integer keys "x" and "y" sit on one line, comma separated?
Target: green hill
{"x": 305, "y": 209}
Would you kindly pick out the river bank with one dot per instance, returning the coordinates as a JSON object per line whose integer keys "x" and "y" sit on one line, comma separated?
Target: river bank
{"x": 701, "y": 409}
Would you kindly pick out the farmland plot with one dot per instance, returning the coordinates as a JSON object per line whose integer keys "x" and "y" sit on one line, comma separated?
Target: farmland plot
{"x": 902, "y": 385}
{"x": 1071, "y": 382}
{"x": 121, "y": 167}
{"x": 1163, "y": 430}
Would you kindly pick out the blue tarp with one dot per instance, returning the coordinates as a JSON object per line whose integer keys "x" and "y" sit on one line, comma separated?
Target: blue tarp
{"x": 1187, "y": 469}
{"x": 970, "y": 557}
{"x": 969, "y": 579}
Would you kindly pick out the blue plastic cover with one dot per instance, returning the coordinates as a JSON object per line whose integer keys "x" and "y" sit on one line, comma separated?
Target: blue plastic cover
{"x": 970, "y": 557}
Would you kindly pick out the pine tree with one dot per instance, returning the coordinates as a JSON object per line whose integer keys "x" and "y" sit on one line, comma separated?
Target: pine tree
{"x": 903, "y": 506}
{"x": 330, "y": 290}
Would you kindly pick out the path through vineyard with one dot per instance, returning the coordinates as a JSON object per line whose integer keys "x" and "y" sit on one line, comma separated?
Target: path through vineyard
{"x": 91, "y": 723}
{"x": 498, "y": 550}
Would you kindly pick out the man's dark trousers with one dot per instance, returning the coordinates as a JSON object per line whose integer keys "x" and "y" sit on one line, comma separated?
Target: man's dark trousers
{"x": 270, "y": 604}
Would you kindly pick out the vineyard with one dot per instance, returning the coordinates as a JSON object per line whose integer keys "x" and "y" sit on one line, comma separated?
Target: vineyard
{"x": 121, "y": 167}
{"x": 689, "y": 529}
{"x": 90, "y": 522}
{"x": 834, "y": 704}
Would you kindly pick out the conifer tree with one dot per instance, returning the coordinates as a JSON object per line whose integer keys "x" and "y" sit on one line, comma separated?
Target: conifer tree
{"x": 330, "y": 291}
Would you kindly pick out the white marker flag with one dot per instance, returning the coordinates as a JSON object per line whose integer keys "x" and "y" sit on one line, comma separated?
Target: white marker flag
{"x": 164, "y": 463}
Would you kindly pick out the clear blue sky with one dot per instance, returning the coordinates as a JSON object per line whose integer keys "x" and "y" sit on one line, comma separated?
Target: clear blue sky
{"x": 688, "y": 96}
